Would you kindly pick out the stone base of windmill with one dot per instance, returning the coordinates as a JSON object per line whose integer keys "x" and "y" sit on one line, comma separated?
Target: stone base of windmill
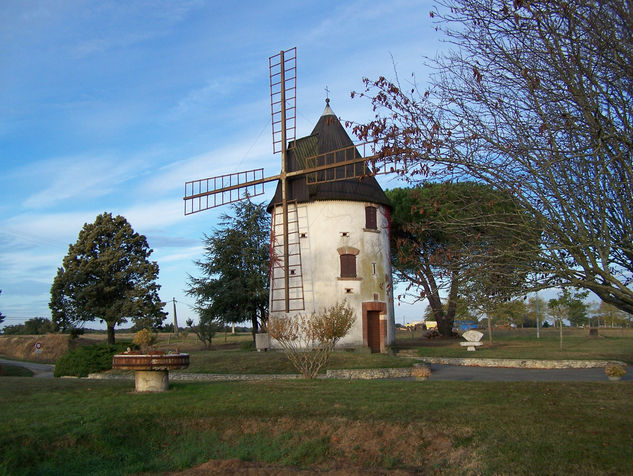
{"x": 151, "y": 371}
{"x": 473, "y": 340}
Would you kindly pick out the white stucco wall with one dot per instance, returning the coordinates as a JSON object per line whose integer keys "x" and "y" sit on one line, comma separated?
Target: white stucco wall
{"x": 323, "y": 228}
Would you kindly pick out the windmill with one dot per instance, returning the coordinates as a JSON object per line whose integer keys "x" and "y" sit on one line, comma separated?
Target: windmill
{"x": 340, "y": 164}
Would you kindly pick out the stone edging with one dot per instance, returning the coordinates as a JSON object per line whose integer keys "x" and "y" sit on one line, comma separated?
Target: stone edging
{"x": 520, "y": 363}
{"x": 368, "y": 374}
{"x": 355, "y": 374}
{"x": 173, "y": 377}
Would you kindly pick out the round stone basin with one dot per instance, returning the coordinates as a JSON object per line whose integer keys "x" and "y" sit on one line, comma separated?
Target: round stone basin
{"x": 151, "y": 371}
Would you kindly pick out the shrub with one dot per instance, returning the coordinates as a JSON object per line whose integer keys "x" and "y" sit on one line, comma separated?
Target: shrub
{"x": 614, "y": 370}
{"x": 145, "y": 339}
{"x": 247, "y": 345}
{"x": 205, "y": 329}
{"x": 81, "y": 361}
{"x": 308, "y": 340}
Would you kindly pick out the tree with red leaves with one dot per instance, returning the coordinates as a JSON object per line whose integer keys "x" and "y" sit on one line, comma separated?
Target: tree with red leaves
{"x": 535, "y": 98}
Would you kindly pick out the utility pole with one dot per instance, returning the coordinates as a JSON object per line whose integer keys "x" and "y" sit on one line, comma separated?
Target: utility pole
{"x": 538, "y": 319}
{"x": 175, "y": 317}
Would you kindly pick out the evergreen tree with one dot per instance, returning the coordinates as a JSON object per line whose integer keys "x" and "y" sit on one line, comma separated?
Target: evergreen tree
{"x": 465, "y": 239}
{"x": 107, "y": 275}
{"x": 234, "y": 284}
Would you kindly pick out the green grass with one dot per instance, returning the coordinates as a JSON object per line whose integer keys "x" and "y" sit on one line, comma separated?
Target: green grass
{"x": 276, "y": 362}
{"x": 523, "y": 344}
{"x": 58, "y": 426}
{"x": 9, "y": 370}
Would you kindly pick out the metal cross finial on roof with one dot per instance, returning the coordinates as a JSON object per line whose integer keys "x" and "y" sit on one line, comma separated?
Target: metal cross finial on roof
{"x": 327, "y": 95}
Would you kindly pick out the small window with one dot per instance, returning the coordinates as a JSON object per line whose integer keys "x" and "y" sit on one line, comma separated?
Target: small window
{"x": 370, "y": 218}
{"x": 345, "y": 234}
{"x": 348, "y": 266}
{"x": 373, "y": 269}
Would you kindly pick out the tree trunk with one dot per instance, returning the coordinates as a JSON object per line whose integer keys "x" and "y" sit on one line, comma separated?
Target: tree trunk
{"x": 560, "y": 323}
{"x": 451, "y": 308}
{"x": 111, "y": 334}
{"x": 489, "y": 330}
{"x": 444, "y": 327}
{"x": 254, "y": 324}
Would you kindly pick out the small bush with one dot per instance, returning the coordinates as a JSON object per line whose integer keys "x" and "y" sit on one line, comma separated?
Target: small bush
{"x": 615, "y": 370}
{"x": 81, "y": 361}
{"x": 145, "y": 339}
{"x": 247, "y": 345}
{"x": 308, "y": 340}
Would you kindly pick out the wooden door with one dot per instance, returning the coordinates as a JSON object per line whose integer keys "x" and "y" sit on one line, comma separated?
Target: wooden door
{"x": 373, "y": 330}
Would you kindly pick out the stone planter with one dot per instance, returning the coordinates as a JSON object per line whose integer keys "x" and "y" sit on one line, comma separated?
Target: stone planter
{"x": 151, "y": 371}
{"x": 262, "y": 342}
{"x": 614, "y": 378}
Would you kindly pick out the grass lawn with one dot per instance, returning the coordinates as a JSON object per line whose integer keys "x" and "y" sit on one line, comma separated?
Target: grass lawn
{"x": 60, "y": 426}
{"x": 611, "y": 344}
{"x": 275, "y": 362}
{"x": 10, "y": 370}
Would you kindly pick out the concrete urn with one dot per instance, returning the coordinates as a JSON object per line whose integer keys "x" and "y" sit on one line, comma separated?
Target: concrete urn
{"x": 151, "y": 370}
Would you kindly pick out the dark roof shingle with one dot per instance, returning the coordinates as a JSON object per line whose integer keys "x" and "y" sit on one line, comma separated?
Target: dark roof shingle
{"x": 328, "y": 135}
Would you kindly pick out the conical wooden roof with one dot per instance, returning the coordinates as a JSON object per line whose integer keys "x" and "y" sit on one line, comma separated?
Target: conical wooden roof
{"x": 328, "y": 135}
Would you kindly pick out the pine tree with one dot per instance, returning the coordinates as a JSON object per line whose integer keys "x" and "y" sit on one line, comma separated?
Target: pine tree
{"x": 234, "y": 283}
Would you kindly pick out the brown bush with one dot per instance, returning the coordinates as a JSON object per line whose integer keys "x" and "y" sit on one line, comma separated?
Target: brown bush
{"x": 308, "y": 340}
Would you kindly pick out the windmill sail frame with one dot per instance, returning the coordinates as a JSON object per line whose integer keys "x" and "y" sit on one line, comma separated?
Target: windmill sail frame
{"x": 341, "y": 164}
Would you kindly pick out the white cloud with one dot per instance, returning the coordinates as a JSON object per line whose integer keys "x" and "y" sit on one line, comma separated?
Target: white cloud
{"x": 79, "y": 178}
{"x": 52, "y": 229}
{"x": 230, "y": 158}
{"x": 188, "y": 255}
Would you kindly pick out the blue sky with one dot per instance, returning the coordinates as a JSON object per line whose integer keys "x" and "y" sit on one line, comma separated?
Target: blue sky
{"x": 113, "y": 105}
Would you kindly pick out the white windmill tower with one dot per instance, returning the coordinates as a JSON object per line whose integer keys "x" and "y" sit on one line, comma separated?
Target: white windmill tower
{"x": 330, "y": 218}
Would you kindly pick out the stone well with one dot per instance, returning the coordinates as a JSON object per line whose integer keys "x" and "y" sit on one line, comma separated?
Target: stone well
{"x": 151, "y": 370}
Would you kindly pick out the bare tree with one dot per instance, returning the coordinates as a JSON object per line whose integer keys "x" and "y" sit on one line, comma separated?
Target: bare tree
{"x": 535, "y": 98}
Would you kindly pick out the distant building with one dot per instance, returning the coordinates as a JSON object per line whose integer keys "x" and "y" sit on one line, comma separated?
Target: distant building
{"x": 463, "y": 326}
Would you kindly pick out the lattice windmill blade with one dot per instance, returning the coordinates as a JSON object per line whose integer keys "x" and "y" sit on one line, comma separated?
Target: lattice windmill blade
{"x": 353, "y": 161}
{"x": 347, "y": 163}
{"x": 207, "y": 193}
{"x": 283, "y": 97}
